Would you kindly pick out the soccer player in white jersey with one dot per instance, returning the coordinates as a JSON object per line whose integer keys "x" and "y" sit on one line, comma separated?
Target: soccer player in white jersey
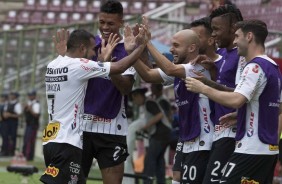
{"x": 257, "y": 97}
{"x": 66, "y": 81}
{"x": 195, "y": 125}
{"x": 202, "y": 28}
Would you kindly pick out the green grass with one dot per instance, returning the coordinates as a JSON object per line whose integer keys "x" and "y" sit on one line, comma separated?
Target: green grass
{"x": 14, "y": 178}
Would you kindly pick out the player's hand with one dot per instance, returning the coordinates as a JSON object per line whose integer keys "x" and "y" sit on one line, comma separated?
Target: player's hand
{"x": 107, "y": 49}
{"x": 130, "y": 41}
{"x": 228, "y": 120}
{"x": 60, "y": 41}
{"x": 200, "y": 76}
{"x": 199, "y": 59}
{"x": 194, "y": 85}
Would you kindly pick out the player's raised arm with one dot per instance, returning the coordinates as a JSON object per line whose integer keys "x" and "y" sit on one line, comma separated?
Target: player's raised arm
{"x": 137, "y": 44}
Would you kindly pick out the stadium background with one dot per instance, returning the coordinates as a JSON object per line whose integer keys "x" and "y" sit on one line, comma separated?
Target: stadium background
{"x": 26, "y": 28}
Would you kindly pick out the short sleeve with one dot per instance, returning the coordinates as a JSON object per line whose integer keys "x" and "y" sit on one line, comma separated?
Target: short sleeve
{"x": 251, "y": 80}
{"x": 167, "y": 80}
{"x": 86, "y": 69}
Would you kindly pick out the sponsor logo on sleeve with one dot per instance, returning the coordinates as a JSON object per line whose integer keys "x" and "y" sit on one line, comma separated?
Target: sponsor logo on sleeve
{"x": 83, "y": 60}
{"x": 255, "y": 69}
{"x": 52, "y": 171}
{"x": 51, "y": 131}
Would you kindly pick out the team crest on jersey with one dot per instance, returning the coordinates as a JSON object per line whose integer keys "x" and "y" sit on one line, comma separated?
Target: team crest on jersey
{"x": 250, "y": 132}
{"x": 246, "y": 181}
{"x": 52, "y": 171}
{"x": 51, "y": 131}
{"x": 255, "y": 69}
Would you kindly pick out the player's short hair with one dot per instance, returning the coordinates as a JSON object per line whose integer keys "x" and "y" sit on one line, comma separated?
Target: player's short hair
{"x": 112, "y": 7}
{"x": 257, "y": 27}
{"x": 205, "y": 21}
{"x": 230, "y": 11}
{"x": 78, "y": 37}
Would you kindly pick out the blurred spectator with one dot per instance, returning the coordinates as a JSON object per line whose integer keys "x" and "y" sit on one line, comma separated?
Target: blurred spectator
{"x": 138, "y": 98}
{"x": 3, "y": 101}
{"x": 32, "y": 114}
{"x": 159, "y": 128}
{"x": 11, "y": 113}
{"x": 214, "y": 4}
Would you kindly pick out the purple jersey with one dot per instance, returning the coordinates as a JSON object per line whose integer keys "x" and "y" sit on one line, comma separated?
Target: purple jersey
{"x": 102, "y": 97}
{"x": 268, "y": 102}
{"x": 227, "y": 68}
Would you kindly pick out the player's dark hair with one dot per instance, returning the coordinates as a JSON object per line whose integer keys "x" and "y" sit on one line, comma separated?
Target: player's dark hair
{"x": 229, "y": 11}
{"x": 205, "y": 21}
{"x": 112, "y": 7}
{"x": 257, "y": 27}
{"x": 78, "y": 37}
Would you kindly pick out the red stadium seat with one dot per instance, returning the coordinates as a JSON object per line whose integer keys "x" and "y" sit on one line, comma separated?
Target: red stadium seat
{"x": 68, "y": 6}
{"x": 23, "y": 17}
{"x": 55, "y": 5}
{"x": 36, "y": 18}
{"x": 81, "y": 6}
{"x": 94, "y": 7}
{"x": 29, "y": 5}
{"x": 42, "y": 5}
{"x": 63, "y": 18}
{"x": 11, "y": 17}
{"x": 49, "y": 18}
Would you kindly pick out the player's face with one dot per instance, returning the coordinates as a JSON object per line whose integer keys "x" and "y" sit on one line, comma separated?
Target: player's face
{"x": 222, "y": 32}
{"x": 241, "y": 42}
{"x": 109, "y": 23}
{"x": 178, "y": 49}
{"x": 203, "y": 37}
{"x": 90, "y": 51}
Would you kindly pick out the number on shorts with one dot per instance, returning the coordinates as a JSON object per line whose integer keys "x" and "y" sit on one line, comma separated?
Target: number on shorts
{"x": 116, "y": 153}
{"x": 192, "y": 172}
{"x": 51, "y": 100}
{"x": 227, "y": 170}
{"x": 217, "y": 166}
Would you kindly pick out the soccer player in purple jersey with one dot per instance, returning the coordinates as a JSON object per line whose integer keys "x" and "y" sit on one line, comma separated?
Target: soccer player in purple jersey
{"x": 195, "y": 125}
{"x": 257, "y": 98}
{"x": 104, "y": 119}
{"x": 223, "y": 21}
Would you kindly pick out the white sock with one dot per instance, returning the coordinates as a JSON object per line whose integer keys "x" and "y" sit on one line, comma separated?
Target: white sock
{"x": 175, "y": 182}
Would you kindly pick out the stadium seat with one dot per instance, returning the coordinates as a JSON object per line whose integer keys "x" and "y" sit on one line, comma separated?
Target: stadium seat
{"x": 11, "y": 17}
{"x": 68, "y": 6}
{"x": 36, "y": 18}
{"x": 29, "y": 5}
{"x": 89, "y": 17}
{"x": 75, "y": 17}
{"x": 42, "y": 5}
{"x": 23, "y": 17}
{"x": 63, "y": 18}
{"x": 94, "y": 6}
{"x": 55, "y": 5}
{"x": 49, "y": 18}
{"x": 81, "y": 6}
{"x": 136, "y": 7}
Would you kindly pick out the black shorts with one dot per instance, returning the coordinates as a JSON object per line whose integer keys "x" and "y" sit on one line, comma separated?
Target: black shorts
{"x": 63, "y": 162}
{"x": 194, "y": 167}
{"x": 178, "y": 156}
{"x": 245, "y": 168}
{"x": 221, "y": 151}
{"x": 109, "y": 150}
